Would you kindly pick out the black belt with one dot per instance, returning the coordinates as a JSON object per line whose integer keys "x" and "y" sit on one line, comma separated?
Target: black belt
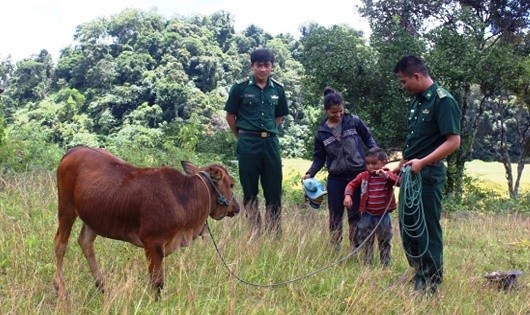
{"x": 437, "y": 163}
{"x": 259, "y": 134}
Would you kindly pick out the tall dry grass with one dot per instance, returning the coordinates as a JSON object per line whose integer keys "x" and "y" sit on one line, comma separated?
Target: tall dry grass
{"x": 197, "y": 281}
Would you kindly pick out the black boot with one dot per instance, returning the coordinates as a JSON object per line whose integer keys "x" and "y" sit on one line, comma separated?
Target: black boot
{"x": 419, "y": 286}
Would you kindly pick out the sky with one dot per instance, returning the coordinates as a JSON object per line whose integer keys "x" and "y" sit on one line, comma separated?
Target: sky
{"x": 27, "y": 26}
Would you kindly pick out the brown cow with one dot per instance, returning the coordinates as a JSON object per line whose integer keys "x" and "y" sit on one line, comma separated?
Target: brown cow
{"x": 159, "y": 209}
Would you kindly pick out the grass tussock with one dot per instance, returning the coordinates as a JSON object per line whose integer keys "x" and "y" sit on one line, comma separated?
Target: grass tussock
{"x": 295, "y": 274}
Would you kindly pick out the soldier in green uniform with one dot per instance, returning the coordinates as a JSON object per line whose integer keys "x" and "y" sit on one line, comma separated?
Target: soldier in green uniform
{"x": 433, "y": 133}
{"x": 255, "y": 108}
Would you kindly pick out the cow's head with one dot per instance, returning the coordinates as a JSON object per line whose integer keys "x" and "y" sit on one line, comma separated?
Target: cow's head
{"x": 222, "y": 183}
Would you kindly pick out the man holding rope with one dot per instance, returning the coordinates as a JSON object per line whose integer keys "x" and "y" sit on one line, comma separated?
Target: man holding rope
{"x": 433, "y": 133}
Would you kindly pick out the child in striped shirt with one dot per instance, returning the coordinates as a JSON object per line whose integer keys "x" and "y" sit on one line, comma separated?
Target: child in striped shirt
{"x": 377, "y": 201}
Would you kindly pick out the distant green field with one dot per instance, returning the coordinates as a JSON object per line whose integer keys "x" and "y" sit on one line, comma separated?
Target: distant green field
{"x": 494, "y": 171}
{"x": 491, "y": 174}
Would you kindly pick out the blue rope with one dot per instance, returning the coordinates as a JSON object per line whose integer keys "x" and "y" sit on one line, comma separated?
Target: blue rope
{"x": 411, "y": 207}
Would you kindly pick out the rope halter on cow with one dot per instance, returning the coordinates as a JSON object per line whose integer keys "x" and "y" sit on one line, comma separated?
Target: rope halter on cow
{"x": 221, "y": 200}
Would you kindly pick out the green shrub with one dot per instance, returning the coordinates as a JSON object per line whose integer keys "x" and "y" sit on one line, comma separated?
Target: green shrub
{"x": 221, "y": 144}
{"x": 140, "y": 155}
{"x": 483, "y": 196}
{"x": 24, "y": 150}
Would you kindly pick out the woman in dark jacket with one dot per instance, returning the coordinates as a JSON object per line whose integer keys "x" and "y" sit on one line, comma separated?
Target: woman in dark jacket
{"x": 339, "y": 144}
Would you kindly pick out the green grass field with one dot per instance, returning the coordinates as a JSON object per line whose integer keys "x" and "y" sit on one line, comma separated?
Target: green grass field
{"x": 296, "y": 274}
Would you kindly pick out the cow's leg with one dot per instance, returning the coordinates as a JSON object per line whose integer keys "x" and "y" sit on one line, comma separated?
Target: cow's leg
{"x": 86, "y": 241}
{"x": 67, "y": 217}
{"x": 155, "y": 256}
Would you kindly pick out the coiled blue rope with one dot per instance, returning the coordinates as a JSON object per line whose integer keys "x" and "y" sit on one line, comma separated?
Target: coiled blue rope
{"x": 411, "y": 209}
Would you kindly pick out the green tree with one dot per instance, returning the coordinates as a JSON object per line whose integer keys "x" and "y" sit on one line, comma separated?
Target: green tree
{"x": 145, "y": 115}
{"x": 132, "y": 66}
{"x": 133, "y": 27}
{"x": 103, "y": 75}
{"x": 188, "y": 134}
{"x": 474, "y": 40}
{"x": 508, "y": 137}
{"x": 6, "y": 70}
{"x": 257, "y": 35}
{"x": 459, "y": 40}
{"x": 31, "y": 80}
{"x": 221, "y": 24}
{"x": 339, "y": 57}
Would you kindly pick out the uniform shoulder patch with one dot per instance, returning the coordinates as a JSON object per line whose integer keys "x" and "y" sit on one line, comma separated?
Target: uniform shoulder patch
{"x": 442, "y": 93}
{"x": 276, "y": 82}
{"x": 243, "y": 80}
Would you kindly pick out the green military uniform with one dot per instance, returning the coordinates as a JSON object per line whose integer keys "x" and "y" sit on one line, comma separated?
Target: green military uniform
{"x": 433, "y": 115}
{"x": 258, "y": 147}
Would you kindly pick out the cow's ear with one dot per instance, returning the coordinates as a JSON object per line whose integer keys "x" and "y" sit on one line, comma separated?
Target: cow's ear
{"x": 216, "y": 173}
{"x": 189, "y": 168}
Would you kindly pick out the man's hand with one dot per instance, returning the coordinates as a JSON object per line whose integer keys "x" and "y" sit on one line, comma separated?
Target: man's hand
{"x": 416, "y": 165}
{"x": 347, "y": 201}
{"x": 380, "y": 172}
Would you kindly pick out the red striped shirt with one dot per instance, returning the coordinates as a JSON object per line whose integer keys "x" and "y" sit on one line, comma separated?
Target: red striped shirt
{"x": 377, "y": 193}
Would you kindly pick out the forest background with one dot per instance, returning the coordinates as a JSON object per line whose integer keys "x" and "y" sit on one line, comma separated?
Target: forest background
{"x": 151, "y": 88}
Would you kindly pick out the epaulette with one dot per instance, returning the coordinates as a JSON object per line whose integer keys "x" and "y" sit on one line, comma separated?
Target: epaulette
{"x": 242, "y": 80}
{"x": 442, "y": 92}
{"x": 277, "y": 82}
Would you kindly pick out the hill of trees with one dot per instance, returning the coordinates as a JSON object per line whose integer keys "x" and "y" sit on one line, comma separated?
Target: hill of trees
{"x": 137, "y": 79}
